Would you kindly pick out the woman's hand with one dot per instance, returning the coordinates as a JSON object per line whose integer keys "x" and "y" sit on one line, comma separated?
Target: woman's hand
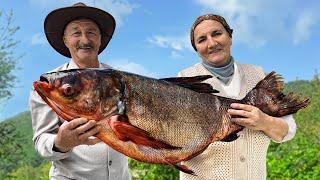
{"x": 250, "y": 116}
{"x": 76, "y": 132}
{"x": 253, "y": 118}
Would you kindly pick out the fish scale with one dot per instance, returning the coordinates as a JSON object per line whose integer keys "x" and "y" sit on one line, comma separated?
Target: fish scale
{"x": 163, "y": 121}
{"x": 187, "y": 111}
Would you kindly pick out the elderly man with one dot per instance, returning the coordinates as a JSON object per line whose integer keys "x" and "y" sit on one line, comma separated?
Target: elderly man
{"x": 79, "y": 32}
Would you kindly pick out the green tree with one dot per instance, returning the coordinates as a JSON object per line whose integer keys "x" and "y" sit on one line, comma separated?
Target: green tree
{"x": 300, "y": 157}
{"x": 7, "y": 58}
{"x": 10, "y": 148}
{"x": 8, "y": 143}
{"x": 17, "y": 153}
{"x": 27, "y": 172}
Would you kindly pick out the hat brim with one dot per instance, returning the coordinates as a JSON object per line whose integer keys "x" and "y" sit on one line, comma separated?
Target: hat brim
{"x": 57, "y": 20}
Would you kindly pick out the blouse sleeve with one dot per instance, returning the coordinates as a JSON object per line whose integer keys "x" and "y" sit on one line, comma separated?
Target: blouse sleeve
{"x": 292, "y": 128}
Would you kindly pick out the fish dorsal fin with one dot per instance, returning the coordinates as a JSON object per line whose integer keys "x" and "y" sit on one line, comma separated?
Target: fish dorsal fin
{"x": 193, "y": 83}
{"x": 199, "y": 87}
{"x": 193, "y": 79}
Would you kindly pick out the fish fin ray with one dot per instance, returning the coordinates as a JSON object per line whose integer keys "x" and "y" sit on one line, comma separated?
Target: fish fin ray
{"x": 292, "y": 103}
{"x": 180, "y": 167}
{"x": 193, "y": 83}
{"x": 230, "y": 137}
{"x": 184, "y": 169}
{"x": 234, "y": 135}
{"x": 267, "y": 95}
{"x": 127, "y": 132}
{"x": 199, "y": 87}
{"x": 273, "y": 82}
{"x": 193, "y": 79}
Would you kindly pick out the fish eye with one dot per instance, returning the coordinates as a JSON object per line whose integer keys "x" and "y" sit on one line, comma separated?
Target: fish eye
{"x": 67, "y": 89}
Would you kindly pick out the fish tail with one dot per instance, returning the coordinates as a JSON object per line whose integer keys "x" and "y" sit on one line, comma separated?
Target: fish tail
{"x": 267, "y": 96}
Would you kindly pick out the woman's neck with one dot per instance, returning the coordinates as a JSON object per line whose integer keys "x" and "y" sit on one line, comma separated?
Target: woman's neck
{"x": 223, "y": 73}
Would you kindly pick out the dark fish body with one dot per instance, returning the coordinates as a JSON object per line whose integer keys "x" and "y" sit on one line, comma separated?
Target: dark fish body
{"x": 176, "y": 115}
{"x": 162, "y": 121}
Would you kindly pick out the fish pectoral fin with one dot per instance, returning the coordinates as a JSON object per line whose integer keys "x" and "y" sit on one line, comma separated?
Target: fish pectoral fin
{"x": 180, "y": 167}
{"x": 234, "y": 129}
{"x": 193, "y": 83}
{"x": 184, "y": 169}
{"x": 127, "y": 132}
{"x": 230, "y": 137}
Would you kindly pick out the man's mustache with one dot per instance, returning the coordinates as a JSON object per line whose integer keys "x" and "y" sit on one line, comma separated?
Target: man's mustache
{"x": 84, "y": 46}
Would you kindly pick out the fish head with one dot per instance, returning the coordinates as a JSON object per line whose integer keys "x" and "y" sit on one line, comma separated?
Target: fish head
{"x": 79, "y": 93}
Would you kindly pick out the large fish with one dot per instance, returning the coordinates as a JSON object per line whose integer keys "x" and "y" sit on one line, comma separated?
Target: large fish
{"x": 162, "y": 121}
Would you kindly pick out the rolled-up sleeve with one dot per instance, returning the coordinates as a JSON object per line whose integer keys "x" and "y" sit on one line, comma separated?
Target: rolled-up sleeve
{"x": 292, "y": 128}
{"x": 45, "y": 124}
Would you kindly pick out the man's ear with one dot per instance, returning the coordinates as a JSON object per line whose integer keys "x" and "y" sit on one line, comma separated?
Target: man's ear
{"x": 64, "y": 40}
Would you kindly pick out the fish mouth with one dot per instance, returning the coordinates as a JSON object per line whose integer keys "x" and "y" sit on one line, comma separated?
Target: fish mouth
{"x": 43, "y": 87}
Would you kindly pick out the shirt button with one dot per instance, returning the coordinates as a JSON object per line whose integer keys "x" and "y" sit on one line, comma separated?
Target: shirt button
{"x": 241, "y": 135}
{"x": 242, "y": 159}
{"x": 110, "y": 162}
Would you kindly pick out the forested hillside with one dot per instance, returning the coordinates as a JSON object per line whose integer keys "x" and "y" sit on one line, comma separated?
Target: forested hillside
{"x": 300, "y": 158}
{"x": 297, "y": 159}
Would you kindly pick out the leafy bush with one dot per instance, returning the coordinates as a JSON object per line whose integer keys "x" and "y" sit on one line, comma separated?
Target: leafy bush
{"x": 145, "y": 171}
{"x": 16, "y": 147}
{"x": 300, "y": 157}
{"x": 11, "y": 150}
{"x": 27, "y": 172}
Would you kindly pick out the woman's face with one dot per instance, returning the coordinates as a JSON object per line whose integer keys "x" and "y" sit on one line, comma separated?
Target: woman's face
{"x": 212, "y": 42}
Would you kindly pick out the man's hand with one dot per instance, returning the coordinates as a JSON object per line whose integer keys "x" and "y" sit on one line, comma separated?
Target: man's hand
{"x": 76, "y": 132}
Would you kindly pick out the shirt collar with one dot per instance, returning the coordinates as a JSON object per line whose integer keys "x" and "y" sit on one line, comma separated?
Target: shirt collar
{"x": 73, "y": 65}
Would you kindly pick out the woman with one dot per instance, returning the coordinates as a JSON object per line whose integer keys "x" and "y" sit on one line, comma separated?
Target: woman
{"x": 244, "y": 158}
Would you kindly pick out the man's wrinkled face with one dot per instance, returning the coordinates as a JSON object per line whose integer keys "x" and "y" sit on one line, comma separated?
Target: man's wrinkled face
{"x": 83, "y": 39}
